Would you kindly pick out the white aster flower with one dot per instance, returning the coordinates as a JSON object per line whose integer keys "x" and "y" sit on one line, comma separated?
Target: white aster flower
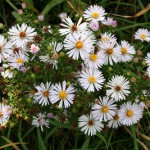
{"x": 108, "y": 37}
{"x": 105, "y": 109}
{"x": 78, "y": 45}
{"x": 5, "y": 49}
{"x": 17, "y": 60}
{"x": 110, "y": 22}
{"x": 111, "y": 52}
{"x": 114, "y": 122}
{"x": 118, "y": 88}
{"x": 63, "y": 94}
{"x": 127, "y": 51}
{"x": 20, "y": 35}
{"x": 94, "y": 13}
{"x": 130, "y": 113}
{"x": 52, "y": 58}
{"x": 89, "y": 125}
{"x": 4, "y": 116}
{"x": 40, "y": 120}
{"x": 42, "y": 96}
{"x": 70, "y": 27}
{"x": 91, "y": 79}
{"x": 142, "y": 34}
{"x": 147, "y": 59}
{"x": 94, "y": 60}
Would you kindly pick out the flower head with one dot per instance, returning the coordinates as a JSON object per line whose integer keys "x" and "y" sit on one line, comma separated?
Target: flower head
{"x": 78, "y": 45}
{"x": 20, "y": 35}
{"x": 142, "y": 34}
{"x": 89, "y": 125}
{"x": 40, "y": 120}
{"x": 105, "y": 109}
{"x": 94, "y": 13}
{"x": 118, "y": 88}
{"x": 63, "y": 94}
{"x": 130, "y": 113}
{"x": 110, "y": 22}
{"x": 91, "y": 79}
{"x": 42, "y": 96}
{"x": 70, "y": 27}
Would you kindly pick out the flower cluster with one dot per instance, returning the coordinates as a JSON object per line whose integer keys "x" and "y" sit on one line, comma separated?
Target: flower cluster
{"x": 78, "y": 72}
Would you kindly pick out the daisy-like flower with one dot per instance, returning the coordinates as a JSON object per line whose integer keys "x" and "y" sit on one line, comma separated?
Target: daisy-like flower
{"x": 104, "y": 110}
{"x": 20, "y": 35}
{"x": 91, "y": 79}
{"x": 127, "y": 51}
{"x": 40, "y": 120}
{"x": 42, "y": 96}
{"x": 94, "y": 25}
{"x": 94, "y": 13}
{"x": 147, "y": 59}
{"x": 34, "y": 49}
{"x": 130, "y": 113}
{"x": 114, "y": 122}
{"x": 70, "y": 27}
{"x": 17, "y": 60}
{"x": 94, "y": 60}
{"x": 108, "y": 37}
{"x": 52, "y": 58}
{"x": 5, "y": 49}
{"x": 111, "y": 52}
{"x": 63, "y": 94}
{"x": 4, "y": 116}
{"x": 89, "y": 125}
{"x": 78, "y": 45}
{"x": 142, "y": 34}
{"x": 118, "y": 88}
{"x": 110, "y": 22}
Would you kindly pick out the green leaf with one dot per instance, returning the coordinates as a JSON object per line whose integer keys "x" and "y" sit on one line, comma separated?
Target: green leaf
{"x": 50, "y": 5}
{"x": 40, "y": 141}
{"x": 16, "y": 15}
{"x": 86, "y": 143}
{"x": 134, "y": 137}
{"x": 103, "y": 139}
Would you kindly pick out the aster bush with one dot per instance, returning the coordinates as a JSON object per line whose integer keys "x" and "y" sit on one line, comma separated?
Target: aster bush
{"x": 80, "y": 72}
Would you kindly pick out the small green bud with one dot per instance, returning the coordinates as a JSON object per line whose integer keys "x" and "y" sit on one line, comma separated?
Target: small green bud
{"x": 110, "y": 69}
{"x": 32, "y": 75}
{"x": 1, "y": 25}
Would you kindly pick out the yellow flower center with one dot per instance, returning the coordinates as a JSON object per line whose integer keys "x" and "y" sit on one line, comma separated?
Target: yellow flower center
{"x": 19, "y": 60}
{"x": 106, "y": 39}
{"x": 22, "y": 34}
{"x": 92, "y": 79}
{"x": 105, "y": 109}
{"x": 116, "y": 117}
{"x": 93, "y": 57}
{"x": 124, "y": 50}
{"x": 95, "y": 15}
{"x": 79, "y": 45}
{"x": 129, "y": 113}
{"x": 55, "y": 56}
{"x": 62, "y": 95}
{"x": 90, "y": 122}
{"x": 109, "y": 51}
{"x": 143, "y": 36}
{"x": 1, "y": 114}
{"x": 46, "y": 93}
